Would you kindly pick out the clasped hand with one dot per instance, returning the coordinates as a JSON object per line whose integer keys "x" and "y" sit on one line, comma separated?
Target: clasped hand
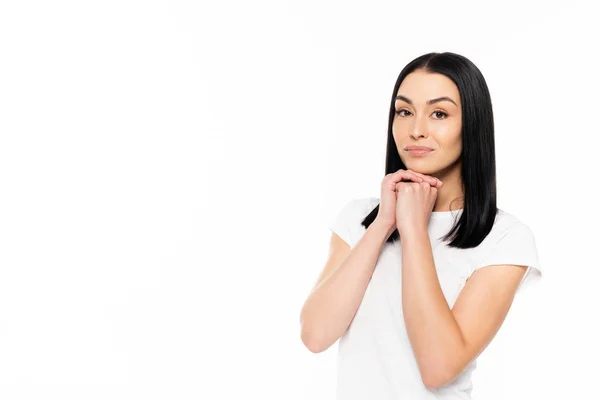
{"x": 414, "y": 203}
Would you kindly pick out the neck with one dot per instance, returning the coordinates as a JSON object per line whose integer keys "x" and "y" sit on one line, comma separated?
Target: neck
{"x": 450, "y": 196}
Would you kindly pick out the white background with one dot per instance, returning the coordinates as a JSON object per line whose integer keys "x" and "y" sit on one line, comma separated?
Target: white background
{"x": 168, "y": 171}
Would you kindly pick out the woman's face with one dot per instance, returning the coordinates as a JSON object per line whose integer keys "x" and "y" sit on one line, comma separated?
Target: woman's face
{"x": 437, "y": 125}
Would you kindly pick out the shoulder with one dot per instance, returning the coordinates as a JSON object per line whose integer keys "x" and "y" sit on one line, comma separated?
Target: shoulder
{"x": 510, "y": 234}
{"x": 508, "y": 229}
{"x": 347, "y": 221}
{"x": 368, "y": 203}
{"x": 360, "y": 205}
{"x": 511, "y": 241}
{"x": 507, "y": 223}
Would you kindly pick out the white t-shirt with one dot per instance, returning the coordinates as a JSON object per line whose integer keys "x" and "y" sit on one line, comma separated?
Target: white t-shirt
{"x": 375, "y": 357}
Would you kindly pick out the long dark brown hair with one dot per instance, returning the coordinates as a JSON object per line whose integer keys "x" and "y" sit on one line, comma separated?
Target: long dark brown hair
{"x": 478, "y": 170}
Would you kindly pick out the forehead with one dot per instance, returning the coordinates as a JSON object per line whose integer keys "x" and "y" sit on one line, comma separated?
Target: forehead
{"x": 422, "y": 86}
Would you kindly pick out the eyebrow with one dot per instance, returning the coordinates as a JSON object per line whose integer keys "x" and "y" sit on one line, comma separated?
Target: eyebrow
{"x": 429, "y": 102}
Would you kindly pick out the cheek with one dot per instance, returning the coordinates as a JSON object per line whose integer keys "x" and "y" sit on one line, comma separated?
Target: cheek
{"x": 450, "y": 136}
{"x": 396, "y": 131}
{"x": 454, "y": 147}
{"x": 450, "y": 129}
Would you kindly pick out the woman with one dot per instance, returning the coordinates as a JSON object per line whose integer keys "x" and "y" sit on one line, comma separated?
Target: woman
{"x": 404, "y": 287}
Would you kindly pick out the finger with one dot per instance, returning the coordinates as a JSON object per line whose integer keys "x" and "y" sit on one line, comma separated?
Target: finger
{"x": 425, "y": 177}
{"x": 405, "y": 174}
{"x": 433, "y": 180}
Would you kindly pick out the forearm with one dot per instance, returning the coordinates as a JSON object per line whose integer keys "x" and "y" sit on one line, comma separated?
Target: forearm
{"x": 434, "y": 334}
{"x": 331, "y": 306}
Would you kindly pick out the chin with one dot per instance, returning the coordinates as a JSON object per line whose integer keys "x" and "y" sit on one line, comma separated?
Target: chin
{"x": 420, "y": 170}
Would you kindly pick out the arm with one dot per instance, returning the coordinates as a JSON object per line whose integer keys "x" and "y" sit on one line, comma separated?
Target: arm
{"x": 331, "y": 306}
{"x": 445, "y": 340}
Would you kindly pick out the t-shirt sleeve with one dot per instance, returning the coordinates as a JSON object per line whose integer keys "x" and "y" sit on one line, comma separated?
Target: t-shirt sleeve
{"x": 517, "y": 247}
{"x": 344, "y": 223}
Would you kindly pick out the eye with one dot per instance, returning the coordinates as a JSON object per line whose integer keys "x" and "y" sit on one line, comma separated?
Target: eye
{"x": 440, "y": 112}
{"x": 436, "y": 113}
{"x": 399, "y": 111}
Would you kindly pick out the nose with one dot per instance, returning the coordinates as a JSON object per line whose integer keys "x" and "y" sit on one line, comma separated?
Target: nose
{"x": 419, "y": 128}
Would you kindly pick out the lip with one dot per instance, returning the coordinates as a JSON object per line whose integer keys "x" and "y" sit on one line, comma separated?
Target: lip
{"x": 409, "y": 148}
{"x": 419, "y": 152}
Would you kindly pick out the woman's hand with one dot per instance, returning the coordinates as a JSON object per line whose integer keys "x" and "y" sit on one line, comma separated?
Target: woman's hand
{"x": 389, "y": 195}
{"x": 414, "y": 205}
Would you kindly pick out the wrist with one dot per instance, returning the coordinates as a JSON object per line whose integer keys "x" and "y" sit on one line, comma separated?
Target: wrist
{"x": 388, "y": 227}
{"x": 413, "y": 231}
